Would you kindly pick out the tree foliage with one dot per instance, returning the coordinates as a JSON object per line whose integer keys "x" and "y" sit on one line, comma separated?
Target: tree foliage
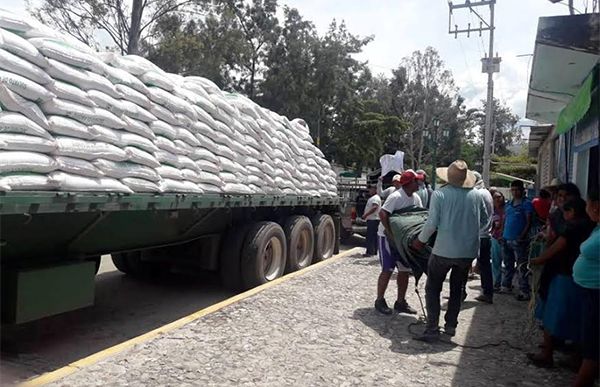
{"x": 125, "y": 24}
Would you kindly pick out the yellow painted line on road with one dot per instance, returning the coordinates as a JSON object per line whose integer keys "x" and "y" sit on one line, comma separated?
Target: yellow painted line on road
{"x": 114, "y": 350}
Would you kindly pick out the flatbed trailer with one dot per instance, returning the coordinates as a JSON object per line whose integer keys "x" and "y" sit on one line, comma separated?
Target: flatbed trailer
{"x": 51, "y": 242}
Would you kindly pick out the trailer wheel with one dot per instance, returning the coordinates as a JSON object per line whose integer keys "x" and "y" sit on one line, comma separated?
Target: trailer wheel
{"x": 324, "y": 237}
{"x": 263, "y": 254}
{"x": 131, "y": 263}
{"x": 229, "y": 264}
{"x": 300, "y": 243}
{"x": 120, "y": 262}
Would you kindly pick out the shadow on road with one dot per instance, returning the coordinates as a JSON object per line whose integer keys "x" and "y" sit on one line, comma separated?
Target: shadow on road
{"x": 124, "y": 308}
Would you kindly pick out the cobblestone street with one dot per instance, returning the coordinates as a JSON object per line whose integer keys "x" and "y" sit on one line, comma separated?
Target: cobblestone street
{"x": 320, "y": 329}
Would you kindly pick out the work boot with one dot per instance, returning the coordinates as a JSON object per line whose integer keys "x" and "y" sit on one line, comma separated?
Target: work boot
{"x": 429, "y": 336}
{"x": 382, "y": 307}
{"x": 403, "y": 307}
{"x": 485, "y": 299}
{"x": 449, "y": 331}
{"x": 523, "y": 297}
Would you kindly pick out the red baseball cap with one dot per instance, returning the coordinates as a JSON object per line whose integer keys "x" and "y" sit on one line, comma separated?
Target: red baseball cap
{"x": 408, "y": 177}
{"x": 421, "y": 176}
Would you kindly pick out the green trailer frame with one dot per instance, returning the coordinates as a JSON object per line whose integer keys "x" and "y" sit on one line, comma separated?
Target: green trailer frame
{"x": 47, "y": 239}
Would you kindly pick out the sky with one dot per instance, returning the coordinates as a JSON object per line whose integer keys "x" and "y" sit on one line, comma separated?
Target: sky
{"x": 399, "y": 27}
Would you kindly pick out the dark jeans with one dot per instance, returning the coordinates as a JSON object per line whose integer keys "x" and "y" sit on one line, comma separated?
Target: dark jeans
{"x": 437, "y": 270}
{"x": 485, "y": 266}
{"x": 515, "y": 252}
{"x": 372, "y": 226}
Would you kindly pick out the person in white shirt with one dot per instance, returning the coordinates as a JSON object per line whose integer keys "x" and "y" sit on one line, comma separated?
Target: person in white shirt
{"x": 371, "y": 215}
{"x": 384, "y": 193}
{"x": 389, "y": 256}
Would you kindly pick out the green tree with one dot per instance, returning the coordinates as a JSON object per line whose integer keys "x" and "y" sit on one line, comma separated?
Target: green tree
{"x": 421, "y": 90}
{"x": 126, "y": 23}
{"x": 206, "y": 47}
{"x": 260, "y": 29}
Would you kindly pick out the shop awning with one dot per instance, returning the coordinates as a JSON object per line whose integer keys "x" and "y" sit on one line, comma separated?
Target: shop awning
{"x": 566, "y": 50}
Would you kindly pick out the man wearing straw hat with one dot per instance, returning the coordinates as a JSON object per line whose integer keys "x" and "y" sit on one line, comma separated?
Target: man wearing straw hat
{"x": 458, "y": 213}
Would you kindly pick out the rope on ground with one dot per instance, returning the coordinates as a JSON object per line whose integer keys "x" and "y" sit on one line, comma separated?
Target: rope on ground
{"x": 466, "y": 346}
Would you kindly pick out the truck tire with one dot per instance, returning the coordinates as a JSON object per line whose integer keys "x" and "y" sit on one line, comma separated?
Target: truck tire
{"x": 300, "y": 243}
{"x": 324, "y": 237}
{"x": 120, "y": 262}
{"x": 230, "y": 253}
{"x": 263, "y": 254}
{"x": 131, "y": 263}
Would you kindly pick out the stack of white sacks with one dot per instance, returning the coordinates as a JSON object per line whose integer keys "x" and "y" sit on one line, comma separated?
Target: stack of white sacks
{"x": 72, "y": 119}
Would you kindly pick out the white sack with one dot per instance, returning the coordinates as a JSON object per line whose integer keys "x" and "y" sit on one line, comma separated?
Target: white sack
{"x": 17, "y": 65}
{"x": 139, "y": 113}
{"x": 208, "y": 166}
{"x": 163, "y": 114}
{"x": 27, "y": 182}
{"x": 15, "y": 103}
{"x": 22, "y": 48}
{"x": 233, "y": 188}
{"x": 209, "y": 188}
{"x": 156, "y": 78}
{"x": 204, "y": 154}
{"x": 163, "y": 129}
{"x": 141, "y": 185}
{"x": 84, "y": 114}
{"x": 139, "y": 156}
{"x": 122, "y": 77}
{"x": 138, "y": 141}
{"x": 138, "y": 127}
{"x": 167, "y": 158}
{"x": 25, "y": 142}
{"x": 134, "y": 96}
{"x": 169, "y": 185}
{"x": 88, "y": 150}
{"x": 70, "y": 182}
{"x": 17, "y": 123}
{"x": 24, "y": 87}
{"x": 121, "y": 170}
{"x": 69, "y": 92}
{"x": 63, "y": 52}
{"x": 168, "y": 172}
{"x": 26, "y": 162}
{"x": 77, "y": 166}
{"x": 105, "y": 101}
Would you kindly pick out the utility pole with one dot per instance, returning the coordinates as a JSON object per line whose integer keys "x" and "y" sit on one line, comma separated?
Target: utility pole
{"x": 490, "y": 65}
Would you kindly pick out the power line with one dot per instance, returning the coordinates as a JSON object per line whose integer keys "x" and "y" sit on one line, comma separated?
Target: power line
{"x": 490, "y": 65}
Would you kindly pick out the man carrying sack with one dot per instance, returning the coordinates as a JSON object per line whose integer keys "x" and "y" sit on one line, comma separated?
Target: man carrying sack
{"x": 457, "y": 212}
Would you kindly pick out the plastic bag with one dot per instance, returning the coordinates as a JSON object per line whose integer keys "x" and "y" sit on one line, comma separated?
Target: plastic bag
{"x": 393, "y": 162}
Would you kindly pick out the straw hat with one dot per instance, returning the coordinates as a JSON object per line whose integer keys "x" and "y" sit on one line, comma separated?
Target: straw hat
{"x": 457, "y": 174}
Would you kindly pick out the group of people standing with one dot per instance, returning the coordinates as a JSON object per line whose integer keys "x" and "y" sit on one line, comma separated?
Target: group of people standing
{"x": 556, "y": 232}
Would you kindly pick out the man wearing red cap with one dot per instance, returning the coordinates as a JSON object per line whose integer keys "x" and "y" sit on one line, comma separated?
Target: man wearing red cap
{"x": 389, "y": 257}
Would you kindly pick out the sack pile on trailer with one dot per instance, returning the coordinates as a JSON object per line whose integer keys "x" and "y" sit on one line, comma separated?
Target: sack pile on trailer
{"x": 73, "y": 119}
